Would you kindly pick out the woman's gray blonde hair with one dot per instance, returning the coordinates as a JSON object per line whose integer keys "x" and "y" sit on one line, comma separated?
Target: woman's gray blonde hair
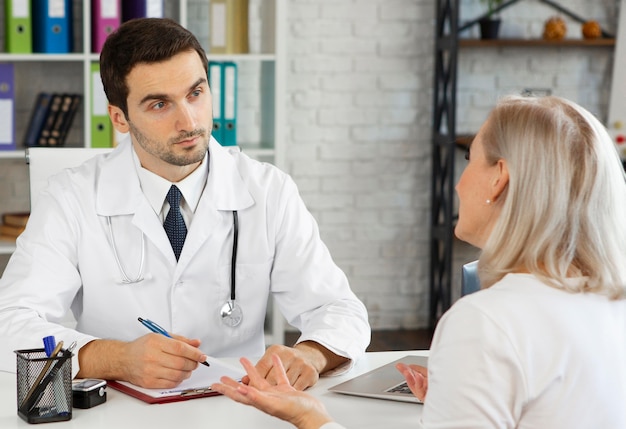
{"x": 564, "y": 210}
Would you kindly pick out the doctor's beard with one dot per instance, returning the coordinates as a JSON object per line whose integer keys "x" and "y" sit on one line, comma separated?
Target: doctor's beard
{"x": 163, "y": 150}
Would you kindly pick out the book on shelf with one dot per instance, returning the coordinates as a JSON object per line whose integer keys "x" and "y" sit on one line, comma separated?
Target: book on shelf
{"x": 55, "y": 131}
{"x": 11, "y": 231}
{"x": 53, "y": 111}
{"x": 69, "y": 118}
{"x": 37, "y": 119}
{"x": 64, "y": 119}
{"x": 18, "y": 219}
{"x": 51, "y": 118}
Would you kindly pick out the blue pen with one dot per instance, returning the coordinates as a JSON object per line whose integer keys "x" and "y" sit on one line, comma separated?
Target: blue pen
{"x": 49, "y": 344}
{"x": 157, "y": 329}
{"x": 153, "y": 327}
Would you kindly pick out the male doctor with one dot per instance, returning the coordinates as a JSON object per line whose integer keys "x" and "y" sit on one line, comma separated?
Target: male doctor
{"x": 105, "y": 238}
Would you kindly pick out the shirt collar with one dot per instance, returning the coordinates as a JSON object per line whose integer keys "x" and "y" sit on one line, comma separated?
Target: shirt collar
{"x": 155, "y": 188}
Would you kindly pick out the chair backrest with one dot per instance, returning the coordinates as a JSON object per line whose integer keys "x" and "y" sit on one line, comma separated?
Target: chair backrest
{"x": 43, "y": 162}
{"x": 469, "y": 278}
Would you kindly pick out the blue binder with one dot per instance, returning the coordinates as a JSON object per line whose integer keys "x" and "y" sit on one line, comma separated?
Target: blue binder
{"x": 229, "y": 103}
{"x": 215, "y": 84}
{"x": 52, "y": 26}
{"x": 7, "y": 106}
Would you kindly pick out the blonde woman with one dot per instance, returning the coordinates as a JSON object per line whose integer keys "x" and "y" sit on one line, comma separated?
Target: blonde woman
{"x": 543, "y": 345}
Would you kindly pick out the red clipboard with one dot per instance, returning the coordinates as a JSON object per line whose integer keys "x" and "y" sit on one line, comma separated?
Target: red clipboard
{"x": 197, "y": 386}
{"x": 183, "y": 396}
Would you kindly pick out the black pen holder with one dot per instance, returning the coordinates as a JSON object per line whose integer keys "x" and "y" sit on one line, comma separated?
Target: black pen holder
{"x": 44, "y": 386}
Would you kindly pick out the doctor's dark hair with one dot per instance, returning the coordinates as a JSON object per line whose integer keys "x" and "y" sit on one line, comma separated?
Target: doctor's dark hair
{"x": 143, "y": 40}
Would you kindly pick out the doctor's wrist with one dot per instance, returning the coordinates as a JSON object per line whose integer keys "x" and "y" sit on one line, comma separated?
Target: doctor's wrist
{"x": 320, "y": 357}
{"x": 99, "y": 359}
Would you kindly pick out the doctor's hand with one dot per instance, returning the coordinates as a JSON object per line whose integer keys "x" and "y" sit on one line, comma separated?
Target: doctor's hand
{"x": 278, "y": 399}
{"x": 416, "y": 378}
{"x": 302, "y": 364}
{"x": 153, "y": 360}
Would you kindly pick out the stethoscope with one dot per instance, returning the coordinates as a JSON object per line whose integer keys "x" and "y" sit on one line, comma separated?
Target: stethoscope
{"x": 230, "y": 312}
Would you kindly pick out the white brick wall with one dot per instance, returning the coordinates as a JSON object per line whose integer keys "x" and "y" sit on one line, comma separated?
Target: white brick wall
{"x": 359, "y": 111}
{"x": 360, "y": 79}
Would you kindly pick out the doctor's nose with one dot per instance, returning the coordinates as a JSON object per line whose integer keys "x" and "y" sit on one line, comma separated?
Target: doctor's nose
{"x": 186, "y": 119}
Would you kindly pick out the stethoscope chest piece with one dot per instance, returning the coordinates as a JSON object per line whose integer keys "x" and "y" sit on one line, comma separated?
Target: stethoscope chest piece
{"x": 231, "y": 313}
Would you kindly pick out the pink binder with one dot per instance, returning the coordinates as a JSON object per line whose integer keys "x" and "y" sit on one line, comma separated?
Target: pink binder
{"x": 105, "y": 18}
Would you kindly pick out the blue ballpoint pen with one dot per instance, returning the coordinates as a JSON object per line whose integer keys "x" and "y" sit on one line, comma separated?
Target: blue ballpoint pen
{"x": 157, "y": 329}
{"x": 153, "y": 327}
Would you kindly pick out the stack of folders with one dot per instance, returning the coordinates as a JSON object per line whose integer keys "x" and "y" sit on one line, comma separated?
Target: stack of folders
{"x": 51, "y": 119}
{"x": 223, "y": 85}
{"x": 43, "y": 26}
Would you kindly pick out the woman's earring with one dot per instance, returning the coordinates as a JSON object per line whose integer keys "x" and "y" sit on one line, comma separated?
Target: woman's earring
{"x": 488, "y": 202}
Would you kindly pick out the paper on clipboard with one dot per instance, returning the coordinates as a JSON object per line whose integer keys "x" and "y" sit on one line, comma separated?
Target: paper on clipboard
{"x": 196, "y": 386}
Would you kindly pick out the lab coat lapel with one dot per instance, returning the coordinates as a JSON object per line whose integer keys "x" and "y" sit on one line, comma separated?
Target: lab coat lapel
{"x": 225, "y": 186}
{"x": 119, "y": 193}
{"x": 225, "y": 190}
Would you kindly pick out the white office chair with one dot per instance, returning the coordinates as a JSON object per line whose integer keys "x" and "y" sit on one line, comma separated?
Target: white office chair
{"x": 43, "y": 162}
{"x": 469, "y": 278}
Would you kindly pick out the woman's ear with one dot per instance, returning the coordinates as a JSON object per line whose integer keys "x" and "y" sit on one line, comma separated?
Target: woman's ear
{"x": 501, "y": 179}
{"x": 118, "y": 119}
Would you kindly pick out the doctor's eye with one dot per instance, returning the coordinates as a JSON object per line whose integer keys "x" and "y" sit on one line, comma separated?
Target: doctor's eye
{"x": 467, "y": 153}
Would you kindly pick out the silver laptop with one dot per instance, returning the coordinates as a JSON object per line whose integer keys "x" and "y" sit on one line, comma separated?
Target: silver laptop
{"x": 384, "y": 382}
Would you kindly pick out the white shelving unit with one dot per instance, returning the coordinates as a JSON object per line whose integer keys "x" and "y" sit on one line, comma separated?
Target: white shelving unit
{"x": 262, "y": 72}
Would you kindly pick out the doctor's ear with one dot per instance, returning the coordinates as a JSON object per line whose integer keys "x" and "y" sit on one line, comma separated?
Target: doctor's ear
{"x": 118, "y": 119}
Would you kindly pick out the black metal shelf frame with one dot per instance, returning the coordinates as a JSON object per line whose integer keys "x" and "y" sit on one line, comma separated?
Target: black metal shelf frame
{"x": 444, "y": 145}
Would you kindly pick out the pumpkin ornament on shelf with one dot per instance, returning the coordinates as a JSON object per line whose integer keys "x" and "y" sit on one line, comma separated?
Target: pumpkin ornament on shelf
{"x": 591, "y": 30}
{"x": 554, "y": 29}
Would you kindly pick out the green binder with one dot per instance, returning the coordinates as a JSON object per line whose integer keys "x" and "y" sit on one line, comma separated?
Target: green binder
{"x": 101, "y": 127}
{"x": 18, "y": 26}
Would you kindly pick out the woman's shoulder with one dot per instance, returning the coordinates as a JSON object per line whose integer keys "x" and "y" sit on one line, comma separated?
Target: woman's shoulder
{"x": 513, "y": 294}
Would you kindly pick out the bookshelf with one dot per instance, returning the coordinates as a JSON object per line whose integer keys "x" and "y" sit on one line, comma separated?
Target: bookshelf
{"x": 536, "y": 43}
{"x": 261, "y": 91}
{"x": 445, "y": 140}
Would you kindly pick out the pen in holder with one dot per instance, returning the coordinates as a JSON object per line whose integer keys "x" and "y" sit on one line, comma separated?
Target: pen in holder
{"x": 44, "y": 385}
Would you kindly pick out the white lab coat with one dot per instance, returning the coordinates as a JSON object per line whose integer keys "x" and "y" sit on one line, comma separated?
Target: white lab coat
{"x": 65, "y": 259}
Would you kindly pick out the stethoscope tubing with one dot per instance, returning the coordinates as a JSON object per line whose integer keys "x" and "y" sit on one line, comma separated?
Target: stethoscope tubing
{"x": 233, "y": 286}
{"x": 125, "y": 278}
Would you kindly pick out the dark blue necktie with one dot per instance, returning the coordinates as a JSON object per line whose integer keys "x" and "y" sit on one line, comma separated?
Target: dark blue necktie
{"x": 174, "y": 223}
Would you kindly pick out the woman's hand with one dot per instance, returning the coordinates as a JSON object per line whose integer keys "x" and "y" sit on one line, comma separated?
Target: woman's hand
{"x": 280, "y": 400}
{"x": 417, "y": 379}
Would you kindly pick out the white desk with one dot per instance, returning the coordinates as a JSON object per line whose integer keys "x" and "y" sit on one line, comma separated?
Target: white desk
{"x": 122, "y": 411}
